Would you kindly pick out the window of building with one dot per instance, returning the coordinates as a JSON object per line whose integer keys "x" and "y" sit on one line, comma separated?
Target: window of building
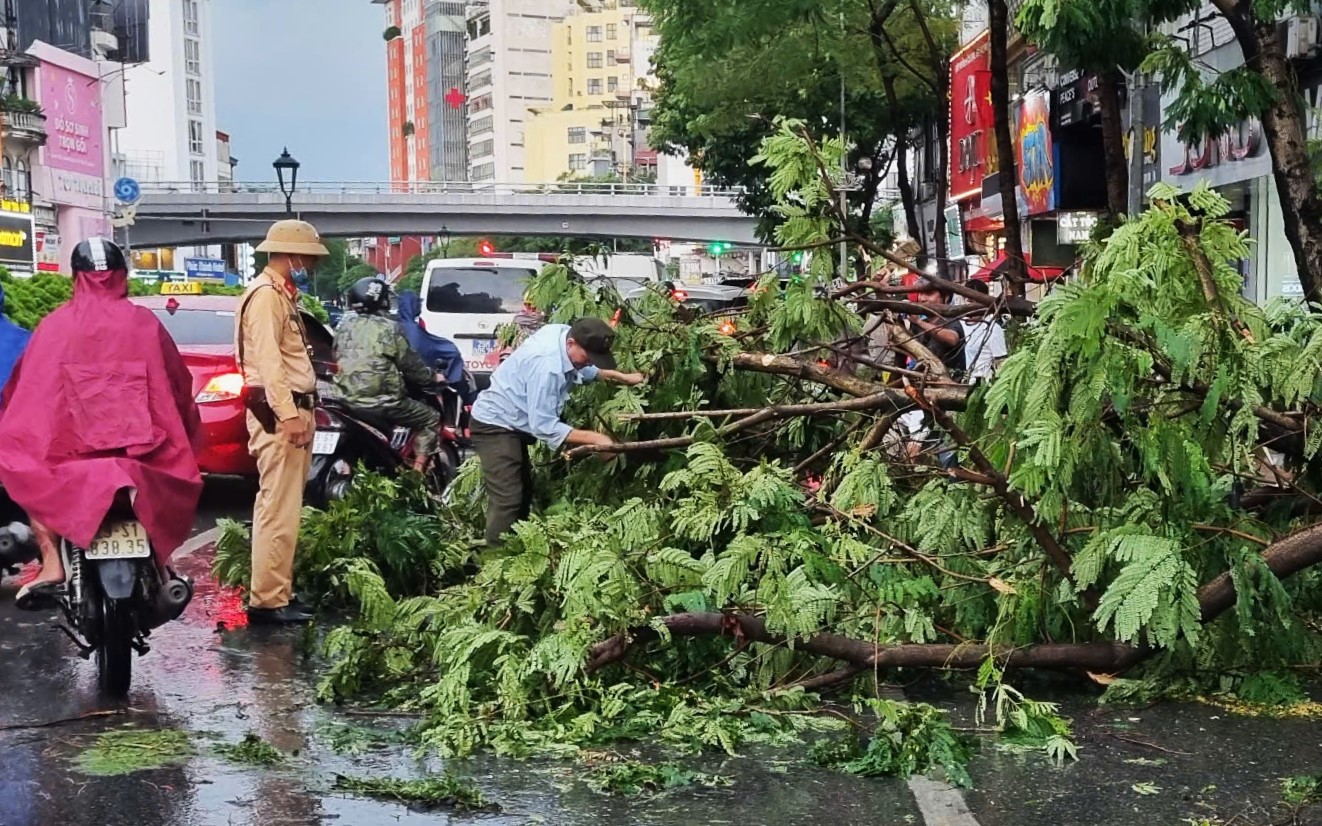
{"x": 594, "y": 86}
{"x": 481, "y": 126}
{"x": 484, "y": 172}
{"x": 198, "y": 175}
{"x": 612, "y": 84}
{"x": 194, "y": 97}
{"x": 578, "y": 162}
{"x": 192, "y": 56}
{"x": 481, "y": 103}
{"x": 22, "y": 182}
{"x": 481, "y": 149}
{"x": 481, "y": 57}
{"x": 195, "y": 139}
{"x": 578, "y": 134}
{"x": 190, "y": 16}
{"x": 610, "y": 56}
{"x": 594, "y": 34}
{"x": 8, "y": 177}
{"x": 594, "y": 60}
{"x": 610, "y": 31}
{"x": 479, "y": 81}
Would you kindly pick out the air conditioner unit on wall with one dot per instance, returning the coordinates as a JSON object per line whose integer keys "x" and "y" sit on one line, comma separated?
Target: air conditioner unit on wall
{"x": 1301, "y": 37}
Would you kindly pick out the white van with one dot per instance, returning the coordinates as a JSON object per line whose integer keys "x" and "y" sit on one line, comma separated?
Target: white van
{"x": 468, "y": 300}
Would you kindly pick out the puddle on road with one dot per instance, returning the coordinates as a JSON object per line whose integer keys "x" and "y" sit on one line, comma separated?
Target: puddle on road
{"x": 220, "y": 686}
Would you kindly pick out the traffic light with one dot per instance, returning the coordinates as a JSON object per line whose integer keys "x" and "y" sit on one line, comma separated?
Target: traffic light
{"x": 485, "y": 248}
{"x": 718, "y": 247}
{"x": 797, "y": 257}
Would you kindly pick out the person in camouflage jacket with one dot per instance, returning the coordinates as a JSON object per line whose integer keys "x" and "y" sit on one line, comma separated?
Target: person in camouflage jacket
{"x": 377, "y": 367}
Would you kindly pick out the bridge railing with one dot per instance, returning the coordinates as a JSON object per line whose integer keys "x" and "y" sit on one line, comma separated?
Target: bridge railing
{"x": 486, "y": 188}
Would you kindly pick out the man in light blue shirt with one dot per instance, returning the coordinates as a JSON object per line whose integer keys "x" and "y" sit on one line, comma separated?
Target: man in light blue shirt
{"x": 523, "y": 406}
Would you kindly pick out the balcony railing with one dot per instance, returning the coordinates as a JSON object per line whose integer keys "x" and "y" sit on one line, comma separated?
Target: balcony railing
{"x": 24, "y": 126}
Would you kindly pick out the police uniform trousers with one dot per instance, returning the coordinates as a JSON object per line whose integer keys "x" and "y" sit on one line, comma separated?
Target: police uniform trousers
{"x": 277, "y": 512}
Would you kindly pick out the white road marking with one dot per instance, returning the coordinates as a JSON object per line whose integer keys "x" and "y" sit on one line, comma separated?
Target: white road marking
{"x": 196, "y": 544}
{"x": 940, "y": 803}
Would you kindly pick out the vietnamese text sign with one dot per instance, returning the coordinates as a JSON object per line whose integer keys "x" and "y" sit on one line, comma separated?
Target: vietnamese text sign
{"x": 72, "y": 102}
{"x": 204, "y": 267}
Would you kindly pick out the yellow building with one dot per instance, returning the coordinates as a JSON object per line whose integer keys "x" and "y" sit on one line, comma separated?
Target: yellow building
{"x": 600, "y": 57}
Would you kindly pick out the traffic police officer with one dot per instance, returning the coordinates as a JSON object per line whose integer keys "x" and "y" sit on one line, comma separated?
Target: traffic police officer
{"x": 280, "y": 393}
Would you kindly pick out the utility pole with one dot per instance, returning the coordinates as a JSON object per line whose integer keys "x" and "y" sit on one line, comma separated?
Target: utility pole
{"x": 1137, "y": 133}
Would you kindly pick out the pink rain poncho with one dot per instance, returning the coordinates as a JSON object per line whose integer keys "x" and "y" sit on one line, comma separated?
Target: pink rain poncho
{"x": 100, "y": 401}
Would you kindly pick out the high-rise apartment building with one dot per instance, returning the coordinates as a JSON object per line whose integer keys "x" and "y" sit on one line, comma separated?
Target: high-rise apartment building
{"x": 509, "y": 73}
{"x": 170, "y": 103}
{"x": 425, "y": 89}
{"x": 601, "y": 66}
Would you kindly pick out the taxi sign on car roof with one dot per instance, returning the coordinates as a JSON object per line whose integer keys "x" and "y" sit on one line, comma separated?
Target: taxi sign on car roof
{"x": 181, "y": 288}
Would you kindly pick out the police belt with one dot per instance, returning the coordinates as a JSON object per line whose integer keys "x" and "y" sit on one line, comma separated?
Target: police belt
{"x": 254, "y": 399}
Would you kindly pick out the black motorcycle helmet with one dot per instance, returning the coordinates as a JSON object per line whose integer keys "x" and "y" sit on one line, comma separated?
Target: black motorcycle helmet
{"x": 369, "y": 295}
{"x": 98, "y": 255}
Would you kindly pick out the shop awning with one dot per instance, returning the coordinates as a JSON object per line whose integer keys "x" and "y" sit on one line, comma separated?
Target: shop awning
{"x": 997, "y": 269}
{"x": 982, "y": 223}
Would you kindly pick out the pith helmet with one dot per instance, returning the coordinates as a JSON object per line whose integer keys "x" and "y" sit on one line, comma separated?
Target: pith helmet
{"x": 293, "y": 238}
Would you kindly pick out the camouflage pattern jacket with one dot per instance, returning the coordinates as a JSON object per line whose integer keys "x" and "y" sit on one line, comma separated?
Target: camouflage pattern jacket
{"x": 377, "y": 365}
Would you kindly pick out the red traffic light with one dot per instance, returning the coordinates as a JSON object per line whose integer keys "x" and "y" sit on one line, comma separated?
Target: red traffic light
{"x": 485, "y": 248}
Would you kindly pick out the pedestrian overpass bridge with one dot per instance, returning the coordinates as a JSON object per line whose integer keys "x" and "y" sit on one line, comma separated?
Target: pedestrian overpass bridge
{"x": 186, "y": 214}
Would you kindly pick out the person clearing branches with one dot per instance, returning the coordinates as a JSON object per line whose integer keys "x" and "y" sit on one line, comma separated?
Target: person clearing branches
{"x": 522, "y": 406}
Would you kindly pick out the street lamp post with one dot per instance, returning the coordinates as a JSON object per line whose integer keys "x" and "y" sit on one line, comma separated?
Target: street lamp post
{"x": 445, "y": 241}
{"x": 285, "y": 164}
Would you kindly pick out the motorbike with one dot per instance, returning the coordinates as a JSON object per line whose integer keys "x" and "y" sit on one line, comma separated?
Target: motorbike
{"x": 347, "y": 436}
{"x": 116, "y": 592}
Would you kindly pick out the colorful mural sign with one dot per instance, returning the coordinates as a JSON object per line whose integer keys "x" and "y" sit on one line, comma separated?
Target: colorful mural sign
{"x": 1035, "y": 154}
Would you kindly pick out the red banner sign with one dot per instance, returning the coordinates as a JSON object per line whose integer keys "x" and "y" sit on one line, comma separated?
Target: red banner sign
{"x": 971, "y": 121}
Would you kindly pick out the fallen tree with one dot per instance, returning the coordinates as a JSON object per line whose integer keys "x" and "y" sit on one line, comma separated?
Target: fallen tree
{"x": 1132, "y": 493}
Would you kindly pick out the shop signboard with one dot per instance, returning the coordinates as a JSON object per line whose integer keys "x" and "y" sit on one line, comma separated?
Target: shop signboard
{"x": 1035, "y": 154}
{"x": 1075, "y": 227}
{"x": 971, "y": 123}
{"x": 48, "y": 251}
{"x": 17, "y": 240}
{"x": 1241, "y": 155}
{"x": 72, "y": 102}
{"x": 1076, "y": 98}
{"x": 954, "y": 231}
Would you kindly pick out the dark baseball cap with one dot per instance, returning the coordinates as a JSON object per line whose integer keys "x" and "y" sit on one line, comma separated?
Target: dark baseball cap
{"x": 596, "y": 338}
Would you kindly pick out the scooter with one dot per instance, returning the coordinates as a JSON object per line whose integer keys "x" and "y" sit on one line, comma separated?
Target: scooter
{"x": 347, "y": 436}
{"x": 115, "y": 592}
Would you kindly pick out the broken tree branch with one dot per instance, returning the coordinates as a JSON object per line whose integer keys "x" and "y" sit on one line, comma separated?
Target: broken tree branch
{"x": 1283, "y": 558}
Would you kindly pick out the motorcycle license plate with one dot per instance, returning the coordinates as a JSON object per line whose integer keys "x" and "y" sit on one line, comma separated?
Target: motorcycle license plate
{"x": 324, "y": 442}
{"x": 122, "y": 540}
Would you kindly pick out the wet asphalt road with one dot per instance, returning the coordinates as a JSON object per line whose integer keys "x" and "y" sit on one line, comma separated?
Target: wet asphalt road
{"x": 212, "y": 677}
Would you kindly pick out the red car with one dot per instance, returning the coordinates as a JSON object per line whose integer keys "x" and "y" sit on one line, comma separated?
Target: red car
{"x": 202, "y": 327}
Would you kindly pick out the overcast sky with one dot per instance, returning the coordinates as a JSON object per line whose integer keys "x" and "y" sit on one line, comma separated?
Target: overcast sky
{"x": 307, "y": 73}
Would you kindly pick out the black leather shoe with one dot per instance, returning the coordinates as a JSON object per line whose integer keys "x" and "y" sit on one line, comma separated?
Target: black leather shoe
{"x": 288, "y": 615}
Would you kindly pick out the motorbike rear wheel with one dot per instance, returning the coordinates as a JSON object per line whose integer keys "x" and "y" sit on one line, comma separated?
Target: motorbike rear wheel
{"x": 114, "y": 654}
{"x": 444, "y": 467}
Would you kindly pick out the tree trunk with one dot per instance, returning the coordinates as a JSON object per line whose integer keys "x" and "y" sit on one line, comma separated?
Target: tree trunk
{"x": 999, "y": 23}
{"x": 907, "y": 199}
{"x": 1283, "y": 125}
{"x": 1113, "y": 143}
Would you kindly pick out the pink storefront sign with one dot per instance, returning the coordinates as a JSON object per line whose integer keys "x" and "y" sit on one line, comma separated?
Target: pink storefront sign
{"x": 72, "y": 102}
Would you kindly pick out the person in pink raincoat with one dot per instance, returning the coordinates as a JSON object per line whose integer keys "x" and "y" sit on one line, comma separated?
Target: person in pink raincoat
{"x": 100, "y": 402}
